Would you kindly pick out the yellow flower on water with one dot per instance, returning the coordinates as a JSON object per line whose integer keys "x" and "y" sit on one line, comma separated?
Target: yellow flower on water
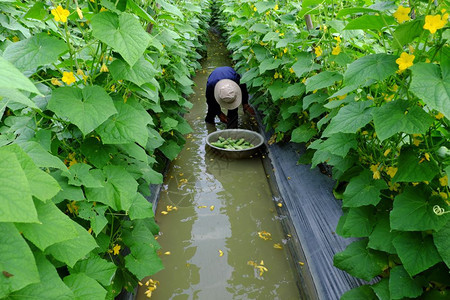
{"x": 265, "y": 235}
{"x": 318, "y": 51}
{"x": 116, "y": 249}
{"x": 276, "y": 7}
{"x": 391, "y": 171}
{"x": 55, "y": 81}
{"x": 80, "y": 13}
{"x": 277, "y": 246}
{"x": 211, "y": 208}
{"x": 443, "y": 180}
{"x": 336, "y": 50}
{"x": 68, "y": 78}
{"x": 280, "y": 204}
{"x": 433, "y": 23}
{"x": 104, "y": 68}
{"x": 439, "y": 116}
{"x": 60, "y": 14}
{"x": 164, "y": 212}
{"x": 220, "y": 253}
{"x": 405, "y": 61}
{"x": 167, "y": 253}
{"x": 402, "y": 14}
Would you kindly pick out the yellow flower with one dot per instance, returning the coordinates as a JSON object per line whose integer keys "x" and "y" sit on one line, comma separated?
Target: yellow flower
{"x": 55, "y": 81}
{"x": 318, "y": 51}
{"x": 220, "y": 253}
{"x": 167, "y": 253}
{"x": 427, "y": 156}
{"x": 276, "y": 7}
{"x": 60, "y": 14}
{"x": 402, "y": 14}
{"x": 443, "y": 195}
{"x": 275, "y": 75}
{"x": 391, "y": 171}
{"x": 277, "y": 246}
{"x": 116, "y": 249}
{"x": 405, "y": 61}
{"x": 15, "y": 39}
{"x": 104, "y": 68}
{"x": 255, "y": 9}
{"x": 211, "y": 208}
{"x": 439, "y": 116}
{"x": 443, "y": 180}
{"x": 375, "y": 171}
{"x": 103, "y": 9}
{"x": 285, "y": 50}
{"x": 68, "y": 78}
{"x": 265, "y": 235}
{"x": 338, "y": 39}
{"x": 336, "y": 50}
{"x": 291, "y": 70}
{"x": 80, "y": 13}
{"x": 433, "y": 23}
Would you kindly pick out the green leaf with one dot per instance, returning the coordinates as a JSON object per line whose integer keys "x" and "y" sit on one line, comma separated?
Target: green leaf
{"x": 11, "y": 78}
{"x": 94, "y": 214}
{"x": 350, "y": 118}
{"x": 118, "y": 191}
{"x": 128, "y": 126}
{"x": 15, "y": 96}
{"x": 171, "y": 149}
{"x": 79, "y": 174}
{"x": 277, "y": 89}
{"x": 141, "y": 72}
{"x": 413, "y": 211}
{"x": 322, "y": 80}
{"x": 73, "y": 250}
{"x": 67, "y": 192}
{"x": 260, "y": 28}
{"x": 262, "y": 6}
{"x": 50, "y": 287}
{"x": 354, "y": 10}
{"x": 339, "y": 144}
{"x": 401, "y": 285}
{"x": 303, "y": 134}
{"x": 305, "y": 63}
{"x": 360, "y": 261}
{"x": 382, "y": 235}
{"x": 370, "y": 22}
{"x": 318, "y": 97}
{"x": 412, "y": 167}
{"x": 15, "y": 194}
{"x": 442, "y": 243}
{"x": 97, "y": 268}
{"x": 123, "y": 33}
{"x": 139, "y": 11}
{"x": 37, "y": 11}
{"x": 294, "y": 90}
{"x": 87, "y": 108}
{"x": 39, "y": 50}
{"x": 407, "y": 32}
{"x": 399, "y": 116}
{"x": 432, "y": 85}
{"x": 381, "y": 289}
{"x": 417, "y": 253}
{"x": 54, "y": 226}
{"x": 361, "y": 292}
{"x": 363, "y": 190}
{"x": 41, "y": 157}
{"x": 16, "y": 259}
{"x": 375, "y": 66}
{"x": 96, "y": 152}
{"x": 269, "y": 64}
{"x": 141, "y": 208}
{"x": 84, "y": 287}
{"x": 170, "y": 8}
{"x": 357, "y": 222}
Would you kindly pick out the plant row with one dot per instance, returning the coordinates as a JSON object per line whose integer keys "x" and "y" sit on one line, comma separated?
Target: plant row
{"x": 366, "y": 88}
{"x": 91, "y": 101}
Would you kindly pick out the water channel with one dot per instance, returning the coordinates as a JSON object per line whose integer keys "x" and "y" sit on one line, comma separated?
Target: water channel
{"x": 213, "y": 241}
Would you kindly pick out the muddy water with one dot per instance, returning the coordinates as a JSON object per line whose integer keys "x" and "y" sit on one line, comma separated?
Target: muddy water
{"x": 221, "y": 204}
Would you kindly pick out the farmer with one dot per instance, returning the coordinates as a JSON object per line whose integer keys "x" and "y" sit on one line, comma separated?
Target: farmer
{"x": 223, "y": 90}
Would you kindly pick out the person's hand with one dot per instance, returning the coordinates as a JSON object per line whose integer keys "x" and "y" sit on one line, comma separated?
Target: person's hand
{"x": 223, "y": 118}
{"x": 248, "y": 109}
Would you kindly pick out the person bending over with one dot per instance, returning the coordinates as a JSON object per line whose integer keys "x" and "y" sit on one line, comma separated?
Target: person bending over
{"x": 224, "y": 90}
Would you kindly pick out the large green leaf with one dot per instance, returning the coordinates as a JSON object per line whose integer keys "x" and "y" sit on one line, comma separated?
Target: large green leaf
{"x": 381, "y": 289}
{"x": 322, "y": 80}
{"x": 12, "y": 78}
{"x": 262, "y": 6}
{"x": 431, "y": 84}
{"x": 401, "y": 285}
{"x": 357, "y": 222}
{"x": 97, "y": 268}
{"x": 50, "y": 287}
{"x": 141, "y": 72}
{"x": 303, "y": 134}
{"x": 359, "y": 293}
{"x": 119, "y": 188}
{"x": 123, "y": 33}
{"x": 15, "y": 193}
{"x": 360, "y": 261}
{"x": 84, "y": 287}
{"x": 16, "y": 260}
{"x": 363, "y": 190}
{"x": 305, "y": 63}
{"x": 442, "y": 241}
{"x": 400, "y": 117}
{"x": 382, "y": 235}
{"x": 54, "y": 226}
{"x": 8, "y": 96}
{"x": 370, "y": 22}
{"x": 79, "y": 174}
{"x": 417, "y": 253}
{"x": 269, "y": 63}
{"x": 41, "y": 157}
{"x": 350, "y": 118}
{"x": 407, "y": 32}
{"x": 339, "y": 144}
{"x": 95, "y": 214}
{"x": 39, "y": 50}
{"x": 141, "y": 208}
{"x": 353, "y": 10}
{"x": 277, "y": 89}
{"x": 170, "y": 8}
{"x": 294, "y": 90}
{"x": 86, "y": 108}
{"x": 412, "y": 167}
{"x": 375, "y": 66}
{"x": 171, "y": 149}
{"x": 73, "y": 250}
{"x": 413, "y": 211}
{"x": 128, "y": 126}
{"x": 68, "y": 191}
